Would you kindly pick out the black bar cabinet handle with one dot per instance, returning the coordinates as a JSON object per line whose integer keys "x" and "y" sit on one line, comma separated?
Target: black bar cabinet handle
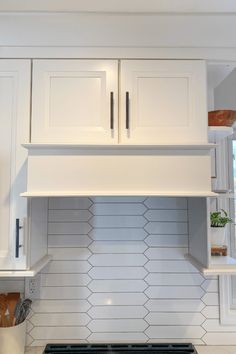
{"x": 18, "y": 227}
{"x": 112, "y": 110}
{"x": 127, "y": 110}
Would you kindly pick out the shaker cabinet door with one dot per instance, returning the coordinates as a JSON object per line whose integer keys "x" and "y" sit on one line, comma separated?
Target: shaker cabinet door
{"x": 74, "y": 101}
{"x": 163, "y": 102}
{"x": 14, "y": 130}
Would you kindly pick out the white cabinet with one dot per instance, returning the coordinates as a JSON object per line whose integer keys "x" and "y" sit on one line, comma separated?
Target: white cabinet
{"x": 17, "y": 247}
{"x": 160, "y": 102}
{"x": 75, "y": 101}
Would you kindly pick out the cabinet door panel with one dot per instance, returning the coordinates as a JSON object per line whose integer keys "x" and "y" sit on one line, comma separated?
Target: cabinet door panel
{"x": 71, "y": 101}
{"x": 167, "y": 102}
{"x": 14, "y": 130}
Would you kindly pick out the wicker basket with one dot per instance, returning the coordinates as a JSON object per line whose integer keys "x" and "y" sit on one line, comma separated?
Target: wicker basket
{"x": 221, "y": 117}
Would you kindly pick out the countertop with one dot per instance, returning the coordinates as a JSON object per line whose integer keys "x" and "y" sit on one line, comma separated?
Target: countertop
{"x": 203, "y": 349}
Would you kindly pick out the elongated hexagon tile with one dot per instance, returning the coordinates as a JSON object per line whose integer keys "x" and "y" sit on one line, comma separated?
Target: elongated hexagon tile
{"x": 211, "y": 299}
{"x": 117, "y": 286}
{"x": 178, "y": 305}
{"x": 69, "y": 254}
{"x": 219, "y": 338}
{"x": 174, "y": 292}
{"x": 117, "y": 209}
{"x": 170, "y": 266}
{"x": 175, "y": 318}
{"x": 118, "y": 234}
{"x": 58, "y": 332}
{"x": 65, "y": 279}
{"x": 178, "y": 340}
{"x": 156, "y": 253}
{"x": 167, "y": 228}
{"x": 64, "y": 292}
{"x": 175, "y": 332}
{"x": 174, "y": 279}
{"x": 113, "y": 260}
{"x": 166, "y": 215}
{"x": 117, "y": 273}
{"x": 117, "y": 221}
{"x": 68, "y": 241}
{"x": 54, "y": 319}
{"x": 63, "y": 215}
{"x": 210, "y": 285}
{"x": 61, "y": 267}
{"x": 118, "y": 247}
{"x": 58, "y": 306}
{"x": 213, "y": 325}
{"x": 117, "y": 325}
{"x": 69, "y": 203}
{"x": 167, "y": 240}
{"x": 166, "y": 203}
{"x": 117, "y": 312}
{"x": 68, "y": 228}
{"x": 117, "y": 299}
{"x": 118, "y": 199}
{"x": 211, "y": 312}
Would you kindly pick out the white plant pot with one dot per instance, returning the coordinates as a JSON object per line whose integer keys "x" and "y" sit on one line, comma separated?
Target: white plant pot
{"x": 218, "y": 236}
{"x": 12, "y": 339}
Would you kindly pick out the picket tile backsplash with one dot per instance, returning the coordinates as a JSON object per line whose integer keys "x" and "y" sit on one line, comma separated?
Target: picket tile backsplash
{"x": 119, "y": 275}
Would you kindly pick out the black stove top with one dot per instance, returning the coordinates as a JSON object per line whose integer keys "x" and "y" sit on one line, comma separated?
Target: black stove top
{"x": 147, "y": 348}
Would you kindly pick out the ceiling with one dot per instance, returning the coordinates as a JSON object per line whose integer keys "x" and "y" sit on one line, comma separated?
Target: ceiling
{"x": 130, "y": 6}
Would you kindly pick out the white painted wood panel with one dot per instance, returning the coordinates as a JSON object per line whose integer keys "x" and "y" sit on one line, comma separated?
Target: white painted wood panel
{"x": 167, "y": 102}
{"x": 71, "y": 101}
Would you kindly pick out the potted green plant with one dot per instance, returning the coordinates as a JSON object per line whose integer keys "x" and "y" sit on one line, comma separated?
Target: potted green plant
{"x": 219, "y": 220}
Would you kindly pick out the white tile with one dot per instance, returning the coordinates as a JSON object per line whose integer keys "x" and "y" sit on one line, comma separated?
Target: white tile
{"x": 117, "y": 337}
{"x": 58, "y": 292}
{"x": 211, "y": 312}
{"x": 117, "y": 209}
{"x": 68, "y": 228}
{"x": 68, "y": 241}
{"x": 175, "y": 319}
{"x": 118, "y": 325}
{"x": 29, "y": 340}
{"x": 177, "y": 305}
{"x": 43, "y": 342}
{"x": 72, "y": 254}
{"x": 166, "y": 203}
{"x": 65, "y": 279}
{"x": 219, "y": 338}
{"x": 118, "y": 247}
{"x": 117, "y": 221}
{"x": 13, "y": 285}
{"x": 167, "y": 240}
{"x": 174, "y": 292}
{"x": 117, "y": 299}
{"x": 120, "y": 234}
{"x": 117, "y": 312}
{"x": 174, "y": 279}
{"x": 213, "y": 325}
{"x": 211, "y": 299}
{"x": 56, "y": 332}
{"x": 170, "y": 267}
{"x": 68, "y": 215}
{"x": 210, "y": 285}
{"x": 49, "y": 306}
{"x": 117, "y": 285}
{"x": 117, "y": 273}
{"x": 165, "y": 253}
{"x": 29, "y": 325}
{"x": 67, "y": 267}
{"x": 118, "y": 199}
{"x": 167, "y": 228}
{"x": 166, "y": 215}
{"x": 175, "y": 332}
{"x": 60, "y": 319}
{"x": 118, "y": 260}
{"x": 179, "y": 340}
{"x": 69, "y": 203}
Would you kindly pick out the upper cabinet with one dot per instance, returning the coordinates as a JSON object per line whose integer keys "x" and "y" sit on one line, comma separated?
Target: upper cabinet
{"x": 159, "y": 102}
{"x": 23, "y": 243}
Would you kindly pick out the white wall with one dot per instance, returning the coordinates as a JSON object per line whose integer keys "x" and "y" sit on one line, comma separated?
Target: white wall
{"x": 225, "y": 93}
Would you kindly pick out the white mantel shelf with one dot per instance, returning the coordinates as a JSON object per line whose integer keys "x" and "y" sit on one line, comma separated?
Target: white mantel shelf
{"x": 218, "y": 265}
{"x": 120, "y": 147}
{"x": 120, "y": 194}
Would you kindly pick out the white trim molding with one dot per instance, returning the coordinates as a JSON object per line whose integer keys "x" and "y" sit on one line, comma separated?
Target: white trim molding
{"x": 227, "y": 311}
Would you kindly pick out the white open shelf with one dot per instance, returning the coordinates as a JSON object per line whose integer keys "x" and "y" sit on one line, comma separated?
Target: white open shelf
{"x": 218, "y": 265}
{"x": 27, "y": 273}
